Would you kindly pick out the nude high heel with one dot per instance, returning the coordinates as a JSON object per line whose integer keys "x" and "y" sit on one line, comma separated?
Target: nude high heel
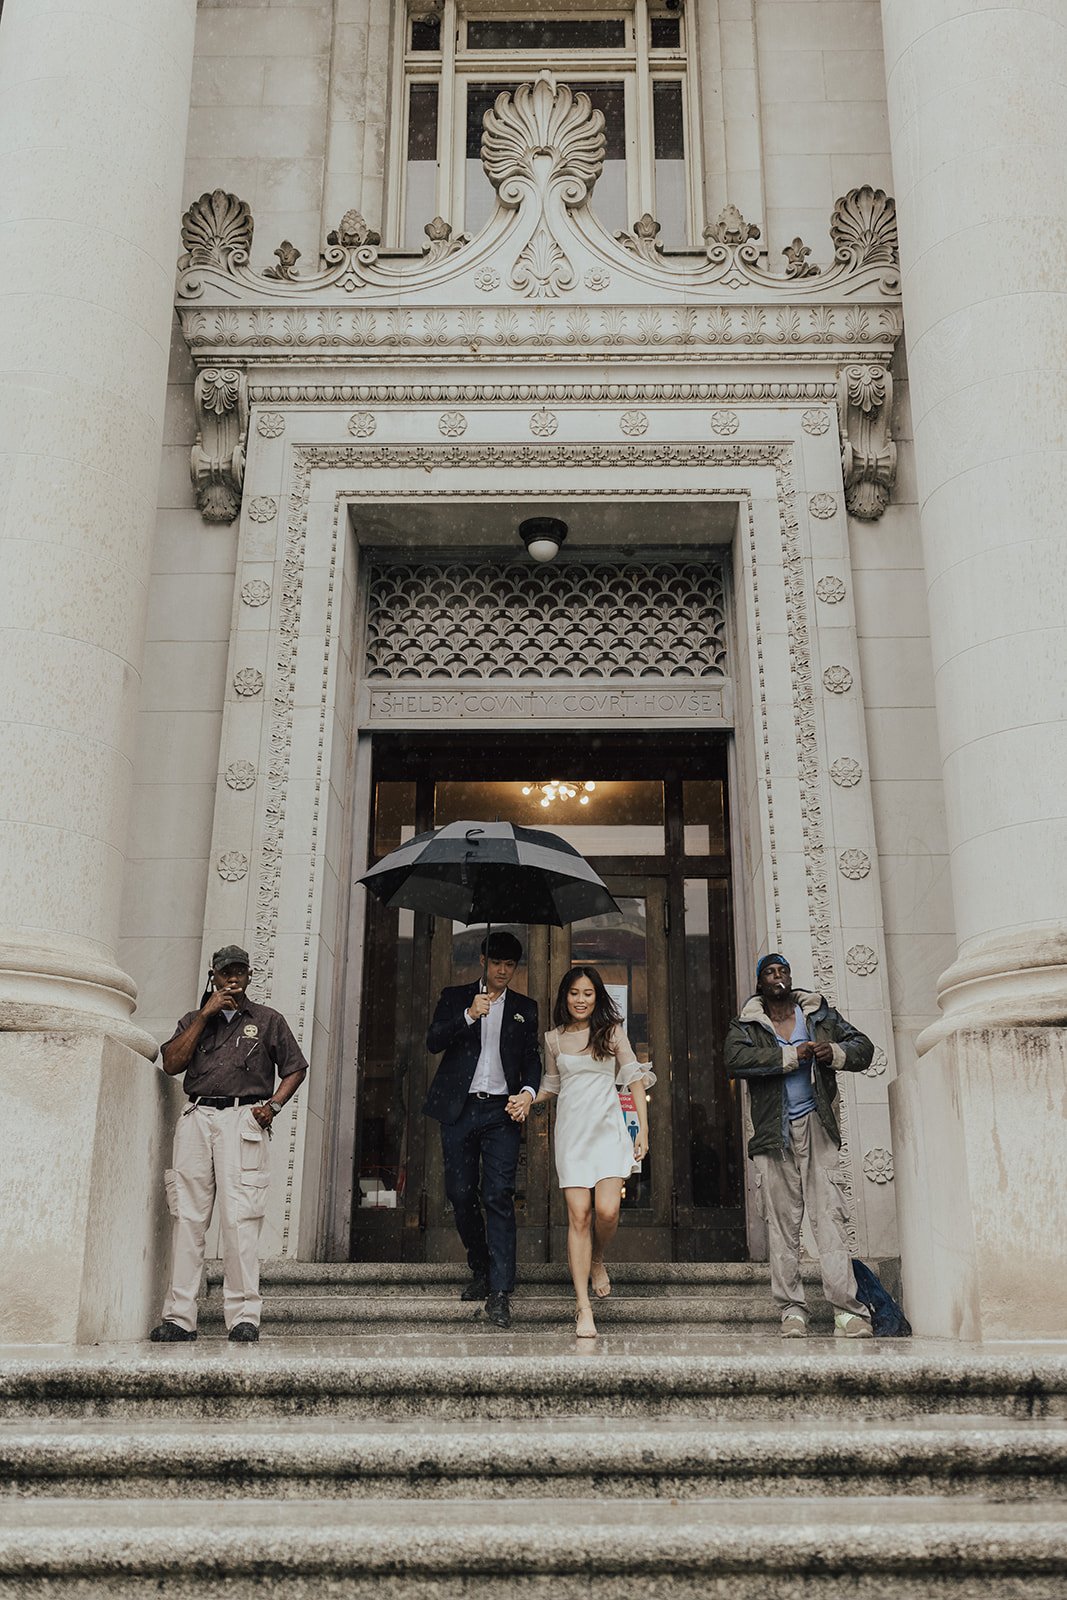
{"x": 590, "y": 1331}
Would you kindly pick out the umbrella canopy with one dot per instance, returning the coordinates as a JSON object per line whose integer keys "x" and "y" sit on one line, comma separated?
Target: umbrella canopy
{"x": 490, "y": 872}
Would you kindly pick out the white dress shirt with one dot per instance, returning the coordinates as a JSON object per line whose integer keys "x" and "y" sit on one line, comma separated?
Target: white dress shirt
{"x": 489, "y": 1073}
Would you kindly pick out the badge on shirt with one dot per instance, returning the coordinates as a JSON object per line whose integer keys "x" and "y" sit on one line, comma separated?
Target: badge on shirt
{"x": 250, "y": 1030}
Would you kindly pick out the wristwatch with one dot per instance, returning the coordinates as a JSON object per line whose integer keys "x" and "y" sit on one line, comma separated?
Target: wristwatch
{"x": 275, "y": 1107}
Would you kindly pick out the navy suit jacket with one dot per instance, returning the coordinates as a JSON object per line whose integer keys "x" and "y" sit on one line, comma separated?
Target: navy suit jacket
{"x": 461, "y": 1042}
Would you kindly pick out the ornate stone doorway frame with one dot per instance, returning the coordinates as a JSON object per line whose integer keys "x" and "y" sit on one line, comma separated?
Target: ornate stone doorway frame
{"x": 291, "y": 787}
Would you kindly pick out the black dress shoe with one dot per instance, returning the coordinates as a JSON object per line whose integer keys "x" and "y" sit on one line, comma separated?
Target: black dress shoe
{"x": 498, "y": 1310}
{"x": 171, "y": 1333}
{"x": 477, "y": 1289}
{"x": 244, "y": 1333}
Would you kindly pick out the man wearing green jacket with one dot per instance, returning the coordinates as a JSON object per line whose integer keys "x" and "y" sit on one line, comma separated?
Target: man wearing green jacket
{"x": 789, "y": 1045}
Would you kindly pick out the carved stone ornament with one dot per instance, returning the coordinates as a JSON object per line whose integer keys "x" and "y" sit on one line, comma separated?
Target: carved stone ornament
{"x": 544, "y": 424}
{"x": 256, "y": 592}
{"x": 232, "y": 866}
{"x": 863, "y": 226}
{"x": 846, "y": 772}
{"x": 597, "y": 280}
{"x": 797, "y": 263}
{"x": 240, "y": 775}
{"x": 822, "y": 506}
{"x": 878, "y": 1165}
{"x": 838, "y": 680}
{"x": 854, "y": 864}
{"x": 248, "y": 681}
{"x": 270, "y": 424}
{"x": 831, "y": 591}
{"x": 724, "y": 422}
{"x": 487, "y": 280}
{"x": 868, "y": 454}
{"x": 879, "y": 1062}
{"x": 288, "y": 256}
{"x": 861, "y": 960}
{"x": 353, "y": 232}
{"x": 264, "y": 508}
{"x": 216, "y": 232}
{"x": 730, "y": 229}
{"x": 442, "y": 243}
{"x": 815, "y": 422}
{"x": 453, "y": 424}
{"x": 634, "y": 423}
{"x": 362, "y": 424}
{"x": 217, "y": 461}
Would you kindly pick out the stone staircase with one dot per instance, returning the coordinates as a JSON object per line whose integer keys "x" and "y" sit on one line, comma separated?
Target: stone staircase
{"x": 383, "y": 1439}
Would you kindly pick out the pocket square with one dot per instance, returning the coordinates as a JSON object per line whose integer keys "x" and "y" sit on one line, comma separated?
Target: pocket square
{"x": 519, "y": 1017}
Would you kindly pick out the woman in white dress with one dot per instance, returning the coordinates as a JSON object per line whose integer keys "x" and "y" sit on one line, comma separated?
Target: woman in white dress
{"x": 588, "y": 1059}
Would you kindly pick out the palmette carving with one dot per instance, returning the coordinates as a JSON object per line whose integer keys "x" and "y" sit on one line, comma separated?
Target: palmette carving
{"x": 216, "y": 232}
{"x": 543, "y": 136}
{"x": 868, "y": 454}
{"x": 217, "y": 459}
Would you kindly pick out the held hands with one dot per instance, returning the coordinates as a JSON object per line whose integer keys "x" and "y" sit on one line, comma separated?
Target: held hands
{"x": 518, "y": 1106}
{"x": 479, "y": 1007}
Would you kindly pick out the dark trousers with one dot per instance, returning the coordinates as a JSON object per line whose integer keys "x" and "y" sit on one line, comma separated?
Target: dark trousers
{"x": 481, "y": 1153}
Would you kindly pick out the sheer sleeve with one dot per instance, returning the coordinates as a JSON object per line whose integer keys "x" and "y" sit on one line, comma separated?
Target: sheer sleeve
{"x": 550, "y": 1083}
{"x": 628, "y": 1069}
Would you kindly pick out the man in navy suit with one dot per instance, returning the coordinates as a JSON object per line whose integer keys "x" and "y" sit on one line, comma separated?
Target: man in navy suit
{"x": 481, "y": 1094}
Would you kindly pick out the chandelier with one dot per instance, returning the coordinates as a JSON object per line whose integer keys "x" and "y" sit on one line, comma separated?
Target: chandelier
{"x": 553, "y": 789}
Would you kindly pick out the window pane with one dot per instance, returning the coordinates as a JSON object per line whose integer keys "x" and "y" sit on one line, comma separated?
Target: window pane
{"x": 669, "y": 134}
{"x": 426, "y": 33}
{"x": 546, "y": 33}
{"x": 702, "y": 816}
{"x": 394, "y": 816}
{"x": 665, "y": 33}
{"x": 713, "y": 1114}
{"x": 420, "y": 206}
{"x": 480, "y": 195}
{"x": 619, "y": 818}
{"x": 385, "y": 1055}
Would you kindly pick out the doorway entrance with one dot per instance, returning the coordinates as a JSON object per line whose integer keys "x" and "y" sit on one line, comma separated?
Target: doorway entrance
{"x": 650, "y": 812}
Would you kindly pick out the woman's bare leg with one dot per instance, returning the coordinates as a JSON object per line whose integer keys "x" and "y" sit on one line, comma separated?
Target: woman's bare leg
{"x": 608, "y": 1200}
{"x": 580, "y": 1253}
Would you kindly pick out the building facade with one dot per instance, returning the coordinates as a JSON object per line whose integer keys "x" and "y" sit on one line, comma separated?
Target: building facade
{"x": 443, "y": 269}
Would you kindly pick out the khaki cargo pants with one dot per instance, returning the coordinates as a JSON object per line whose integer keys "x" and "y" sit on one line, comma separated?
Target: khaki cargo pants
{"x": 804, "y": 1178}
{"x": 223, "y": 1154}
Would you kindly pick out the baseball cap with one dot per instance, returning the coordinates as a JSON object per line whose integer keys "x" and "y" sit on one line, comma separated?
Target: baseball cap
{"x": 230, "y": 955}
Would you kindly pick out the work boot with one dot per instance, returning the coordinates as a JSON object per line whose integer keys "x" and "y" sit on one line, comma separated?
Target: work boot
{"x": 171, "y": 1333}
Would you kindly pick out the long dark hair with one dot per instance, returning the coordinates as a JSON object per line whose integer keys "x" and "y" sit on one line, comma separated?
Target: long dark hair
{"x": 606, "y": 1015}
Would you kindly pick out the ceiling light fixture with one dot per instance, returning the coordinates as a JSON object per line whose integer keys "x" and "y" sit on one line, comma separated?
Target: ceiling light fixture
{"x": 542, "y": 537}
{"x": 552, "y": 789}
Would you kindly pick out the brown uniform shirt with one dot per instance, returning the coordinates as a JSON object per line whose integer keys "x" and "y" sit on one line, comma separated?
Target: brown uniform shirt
{"x": 242, "y": 1056}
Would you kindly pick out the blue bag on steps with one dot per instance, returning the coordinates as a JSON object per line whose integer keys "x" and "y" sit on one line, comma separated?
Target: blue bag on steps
{"x": 887, "y": 1318}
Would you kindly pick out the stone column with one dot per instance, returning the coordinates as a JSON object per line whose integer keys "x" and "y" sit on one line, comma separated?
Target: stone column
{"x": 93, "y": 107}
{"x": 94, "y": 101}
{"x": 978, "y": 118}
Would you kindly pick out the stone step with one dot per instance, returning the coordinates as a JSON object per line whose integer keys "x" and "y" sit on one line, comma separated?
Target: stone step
{"x": 903, "y": 1548}
{"x": 335, "y": 1315}
{"x": 950, "y": 1456}
{"x": 447, "y": 1279}
{"x": 487, "y": 1376}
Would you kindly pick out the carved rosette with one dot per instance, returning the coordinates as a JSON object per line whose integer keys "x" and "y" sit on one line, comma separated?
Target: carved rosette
{"x": 846, "y": 772}
{"x": 830, "y": 590}
{"x": 217, "y": 461}
{"x": 861, "y": 960}
{"x": 822, "y": 506}
{"x": 837, "y": 679}
{"x": 854, "y": 864}
{"x": 264, "y": 508}
{"x": 878, "y": 1165}
{"x": 240, "y": 775}
{"x": 724, "y": 422}
{"x": 256, "y": 592}
{"x": 248, "y": 681}
{"x": 232, "y": 866}
{"x": 634, "y": 423}
{"x": 868, "y": 454}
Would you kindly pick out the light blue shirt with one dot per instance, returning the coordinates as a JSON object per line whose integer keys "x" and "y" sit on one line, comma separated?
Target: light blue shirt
{"x": 799, "y": 1089}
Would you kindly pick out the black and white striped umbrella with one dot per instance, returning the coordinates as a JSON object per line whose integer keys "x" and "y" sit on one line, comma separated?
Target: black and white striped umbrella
{"x": 490, "y": 872}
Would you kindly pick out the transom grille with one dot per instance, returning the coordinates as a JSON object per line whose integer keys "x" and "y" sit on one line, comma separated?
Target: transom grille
{"x": 485, "y": 621}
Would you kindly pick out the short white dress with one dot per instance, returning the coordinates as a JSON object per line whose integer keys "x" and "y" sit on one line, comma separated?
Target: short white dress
{"x": 592, "y": 1139}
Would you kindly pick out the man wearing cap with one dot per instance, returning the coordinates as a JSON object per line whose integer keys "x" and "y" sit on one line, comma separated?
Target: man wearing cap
{"x": 789, "y": 1045}
{"x": 230, "y": 1050}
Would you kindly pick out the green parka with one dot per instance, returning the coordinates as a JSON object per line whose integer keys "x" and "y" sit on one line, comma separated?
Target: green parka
{"x": 754, "y": 1054}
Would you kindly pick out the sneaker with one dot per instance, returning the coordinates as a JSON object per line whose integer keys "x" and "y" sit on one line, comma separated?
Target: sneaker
{"x": 244, "y": 1333}
{"x": 477, "y": 1289}
{"x": 794, "y": 1326}
{"x": 171, "y": 1333}
{"x": 848, "y": 1326}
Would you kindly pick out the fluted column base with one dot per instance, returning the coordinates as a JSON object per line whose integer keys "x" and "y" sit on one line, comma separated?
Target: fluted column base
{"x": 65, "y": 986}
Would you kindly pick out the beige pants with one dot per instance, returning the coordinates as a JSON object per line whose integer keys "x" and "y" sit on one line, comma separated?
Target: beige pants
{"x": 803, "y": 1179}
{"x": 223, "y": 1154}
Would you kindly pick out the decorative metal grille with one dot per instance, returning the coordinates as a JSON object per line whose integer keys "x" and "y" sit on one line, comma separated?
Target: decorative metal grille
{"x": 484, "y": 620}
